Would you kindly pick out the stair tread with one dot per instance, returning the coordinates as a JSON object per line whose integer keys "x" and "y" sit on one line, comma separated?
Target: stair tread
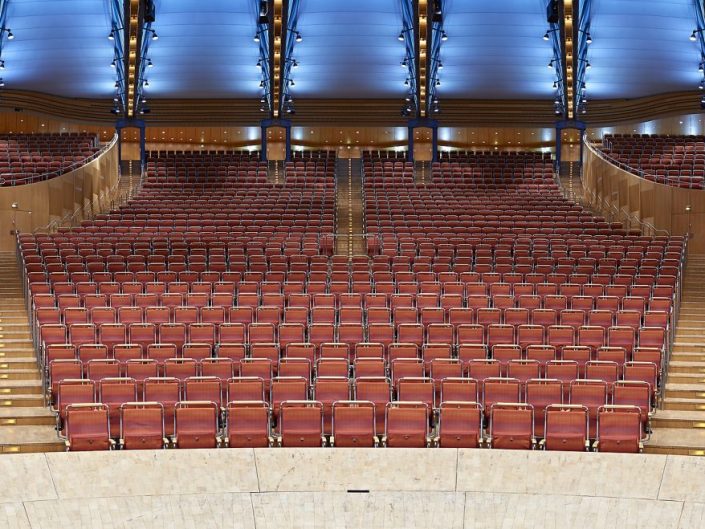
{"x": 24, "y": 383}
{"x": 684, "y": 387}
{"x": 678, "y": 437}
{"x": 25, "y": 411}
{"x": 16, "y": 435}
{"x": 680, "y": 415}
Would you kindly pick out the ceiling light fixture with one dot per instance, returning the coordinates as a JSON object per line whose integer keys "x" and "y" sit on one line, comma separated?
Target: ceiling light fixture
{"x": 298, "y": 38}
{"x": 444, "y": 36}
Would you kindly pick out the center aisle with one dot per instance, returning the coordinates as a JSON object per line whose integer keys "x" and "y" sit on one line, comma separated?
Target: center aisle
{"x": 349, "y": 207}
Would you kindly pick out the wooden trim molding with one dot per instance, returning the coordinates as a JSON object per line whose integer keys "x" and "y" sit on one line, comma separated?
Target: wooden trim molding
{"x": 353, "y": 112}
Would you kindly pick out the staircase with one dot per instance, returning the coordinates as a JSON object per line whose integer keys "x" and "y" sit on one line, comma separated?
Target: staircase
{"x": 129, "y": 178}
{"x": 275, "y": 171}
{"x": 422, "y": 173}
{"x": 679, "y": 427}
{"x": 349, "y": 227}
{"x": 26, "y": 424}
{"x": 569, "y": 174}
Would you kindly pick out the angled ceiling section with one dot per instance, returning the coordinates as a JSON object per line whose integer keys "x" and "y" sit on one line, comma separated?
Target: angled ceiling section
{"x": 349, "y": 50}
{"x": 641, "y": 48}
{"x": 60, "y": 47}
{"x": 495, "y": 51}
{"x": 205, "y": 50}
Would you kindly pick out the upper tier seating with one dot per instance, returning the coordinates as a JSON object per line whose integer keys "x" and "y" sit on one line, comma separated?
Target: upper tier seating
{"x": 310, "y": 168}
{"x": 512, "y": 300}
{"x": 27, "y": 158}
{"x": 673, "y": 160}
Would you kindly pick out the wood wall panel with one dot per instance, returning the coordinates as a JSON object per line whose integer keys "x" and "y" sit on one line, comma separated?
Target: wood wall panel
{"x": 370, "y": 112}
{"x": 660, "y": 205}
{"x": 87, "y": 189}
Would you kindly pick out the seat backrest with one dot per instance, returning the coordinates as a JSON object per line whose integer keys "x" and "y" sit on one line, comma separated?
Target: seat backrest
{"x": 511, "y": 426}
{"x": 619, "y": 429}
{"x": 142, "y": 425}
{"x": 460, "y": 425}
{"x": 301, "y": 423}
{"x": 497, "y": 389}
{"x": 354, "y": 424}
{"x": 248, "y": 424}
{"x": 87, "y": 427}
{"x": 406, "y": 424}
{"x": 287, "y": 388}
{"x": 566, "y": 427}
{"x": 196, "y": 424}
{"x": 246, "y": 389}
{"x": 203, "y": 388}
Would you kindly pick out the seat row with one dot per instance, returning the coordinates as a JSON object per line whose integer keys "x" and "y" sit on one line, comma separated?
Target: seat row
{"x": 248, "y": 425}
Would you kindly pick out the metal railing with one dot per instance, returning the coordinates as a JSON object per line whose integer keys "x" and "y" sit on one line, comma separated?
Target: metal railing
{"x": 636, "y": 171}
{"x": 33, "y": 179}
{"x": 610, "y": 210}
{"x": 114, "y": 198}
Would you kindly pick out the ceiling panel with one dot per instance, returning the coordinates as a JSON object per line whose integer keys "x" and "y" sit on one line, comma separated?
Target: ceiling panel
{"x": 641, "y": 47}
{"x": 350, "y": 49}
{"x": 495, "y": 50}
{"x": 59, "y": 47}
{"x": 205, "y": 50}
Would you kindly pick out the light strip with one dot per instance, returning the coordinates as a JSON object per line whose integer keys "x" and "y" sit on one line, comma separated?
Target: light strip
{"x": 568, "y": 16}
{"x": 423, "y": 54}
{"x": 278, "y": 28}
{"x": 133, "y": 29}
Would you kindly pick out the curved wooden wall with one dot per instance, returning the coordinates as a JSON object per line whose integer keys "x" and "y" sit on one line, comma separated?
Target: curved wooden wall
{"x": 85, "y": 190}
{"x": 376, "y": 112}
{"x": 661, "y": 205}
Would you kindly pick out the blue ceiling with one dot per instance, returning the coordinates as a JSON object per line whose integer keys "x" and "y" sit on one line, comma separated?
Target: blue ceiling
{"x": 350, "y": 49}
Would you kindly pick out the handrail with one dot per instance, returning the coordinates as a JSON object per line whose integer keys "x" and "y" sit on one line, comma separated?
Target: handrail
{"x": 664, "y": 180}
{"x": 603, "y": 203}
{"x": 86, "y": 210}
{"x": 53, "y": 174}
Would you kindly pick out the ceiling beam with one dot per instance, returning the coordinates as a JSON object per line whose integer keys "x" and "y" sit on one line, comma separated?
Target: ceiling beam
{"x": 119, "y": 12}
{"x": 291, "y": 36}
{"x": 5, "y": 35}
{"x": 263, "y": 9}
{"x": 699, "y": 36}
{"x": 132, "y": 27}
{"x": 556, "y": 34}
{"x": 436, "y": 37}
{"x": 582, "y": 62}
{"x": 409, "y": 35}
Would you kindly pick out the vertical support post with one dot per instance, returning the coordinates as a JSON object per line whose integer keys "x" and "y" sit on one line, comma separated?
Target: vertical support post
{"x": 118, "y": 130}
{"x": 423, "y": 123}
{"x": 265, "y": 125}
{"x": 263, "y": 142}
{"x": 287, "y": 134}
{"x": 434, "y": 142}
{"x": 143, "y": 145}
{"x": 582, "y": 147}
{"x": 559, "y": 147}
